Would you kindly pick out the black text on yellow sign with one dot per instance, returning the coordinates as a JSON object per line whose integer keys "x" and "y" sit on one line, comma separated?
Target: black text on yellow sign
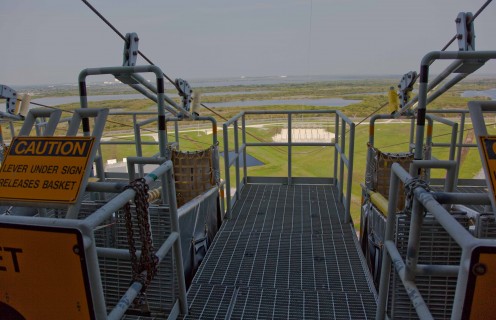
{"x": 43, "y": 273}
{"x": 47, "y": 169}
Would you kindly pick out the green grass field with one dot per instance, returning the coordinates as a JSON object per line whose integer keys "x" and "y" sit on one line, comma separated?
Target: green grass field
{"x": 307, "y": 161}
{"x": 311, "y": 161}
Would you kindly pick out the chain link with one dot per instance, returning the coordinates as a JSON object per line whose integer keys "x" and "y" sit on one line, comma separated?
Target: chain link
{"x": 410, "y": 185}
{"x": 148, "y": 261}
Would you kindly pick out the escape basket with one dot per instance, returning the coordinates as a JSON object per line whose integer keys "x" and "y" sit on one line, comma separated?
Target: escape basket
{"x": 193, "y": 173}
{"x": 379, "y": 172}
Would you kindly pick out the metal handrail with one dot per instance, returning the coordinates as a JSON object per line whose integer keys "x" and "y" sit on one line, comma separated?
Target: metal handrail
{"x": 343, "y": 155}
{"x": 424, "y": 200}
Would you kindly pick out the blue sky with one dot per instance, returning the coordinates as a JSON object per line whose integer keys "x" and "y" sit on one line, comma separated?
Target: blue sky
{"x": 51, "y": 41}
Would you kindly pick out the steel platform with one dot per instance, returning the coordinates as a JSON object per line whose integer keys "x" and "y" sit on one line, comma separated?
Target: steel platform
{"x": 285, "y": 254}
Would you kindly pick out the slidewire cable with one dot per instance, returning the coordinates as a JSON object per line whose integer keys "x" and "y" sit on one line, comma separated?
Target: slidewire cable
{"x": 148, "y": 60}
{"x": 481, "y": 9}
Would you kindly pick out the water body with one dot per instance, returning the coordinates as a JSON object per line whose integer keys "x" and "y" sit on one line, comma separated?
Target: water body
{"x": 281, "y": 79}
{"x": 491, "y": 94}
{"x": 55, "y": 101}
{"x": 251, "y": 161}
{"x": 331, "y": 102}
{"x": 335, "y": 102}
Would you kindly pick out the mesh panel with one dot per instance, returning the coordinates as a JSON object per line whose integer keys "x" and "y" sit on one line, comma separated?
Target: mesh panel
{"x": 436, "y": 247}
{"x": 485, "y": 226}
{"x": 116, "y": 273}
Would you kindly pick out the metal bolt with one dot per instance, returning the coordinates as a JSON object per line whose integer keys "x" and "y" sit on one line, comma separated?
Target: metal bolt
{"x": 75, "y": 249}
{"x": 136, "y": 39}
{"x": 458, "y": 20}
{"x": 479, "y": 269}
{"x": 135, "y": 53}
{"x": 459, "y": 36}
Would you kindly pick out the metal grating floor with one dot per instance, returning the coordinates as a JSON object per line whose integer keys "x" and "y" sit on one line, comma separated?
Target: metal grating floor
{"x": 285, "y": 255}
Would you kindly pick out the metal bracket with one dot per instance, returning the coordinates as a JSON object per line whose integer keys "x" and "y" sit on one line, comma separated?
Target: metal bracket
{"x": 185, "y": 92}
{"x": 130, "y": 50}
{"x": 130, "y": 55}
{"x": 10, "y": 95}
{"x": 465, "y": 31}
{"x": 406, "y": 87}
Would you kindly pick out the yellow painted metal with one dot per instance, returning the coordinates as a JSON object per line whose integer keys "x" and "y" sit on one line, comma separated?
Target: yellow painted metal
{"x": 43, "y": 273}
{"x": 394, "y": 101}
{"x": 379, "y": 202}
{"x": 45, "y": 169}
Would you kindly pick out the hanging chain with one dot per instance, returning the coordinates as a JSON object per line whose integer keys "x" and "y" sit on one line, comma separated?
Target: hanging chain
{"x": 148, "y": 260}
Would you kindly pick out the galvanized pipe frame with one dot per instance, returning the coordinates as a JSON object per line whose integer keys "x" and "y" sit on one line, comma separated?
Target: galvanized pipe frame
{"x": 456, "y": 144}
{"x": 81, "y": 116}
{"x": 340, "y": 162}
{"x": 53, "y": 116}
{"x": 137, "y": 136}
{"x": 429, "y": 136}
{"x": 454, "y": 133}
{"x": 176, "y": 121}
{"x": 427, "y": 60}
{"x": 440, "y": 78}
{"x": 417, "y": 214}
{"x": 459, "y": 144}
{"x": 131, "y": 71}
{"x": 139, "y": 143}
{"x": 459, "y": 234}
{"x": 156, "y": 90}
{"x": 164, "y": 171}
{"x": 236, "y": 160}
{"x": 6, "y": 115}
{"x": 411, "y": 288}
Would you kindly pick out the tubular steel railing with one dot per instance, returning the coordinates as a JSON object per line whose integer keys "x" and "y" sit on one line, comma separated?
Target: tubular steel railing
{"x": 343, "y": 143}
{"x": 408, "y": 269}
{"x": 87, "y": 226}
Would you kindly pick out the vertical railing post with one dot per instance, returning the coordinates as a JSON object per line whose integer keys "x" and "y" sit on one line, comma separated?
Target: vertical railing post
{"x": 341, "y": 160}
{"x": 460, "y": 148}
{"x": 236, "y": 150}
{"x": 412, "y": 135}
{"x": 349, "y": 182}
{"x": 169, "y": 185}
{"x": 243, "y": 136}
{"x": 336, "y": 144}
{"x": 227, "y": 173}
{"x": 290, "y": 140}
{"x": 386, "y": 259}
{"x": 176, "y": 132}
{"x": 139, "y": 150}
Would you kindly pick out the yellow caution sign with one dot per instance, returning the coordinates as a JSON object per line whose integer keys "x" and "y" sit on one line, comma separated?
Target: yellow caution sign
{"x": 45, "y": 169}
{"x": 488, "y": 147}
{"x": 480, "y": 293}
{"x": 43, "y": 273}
